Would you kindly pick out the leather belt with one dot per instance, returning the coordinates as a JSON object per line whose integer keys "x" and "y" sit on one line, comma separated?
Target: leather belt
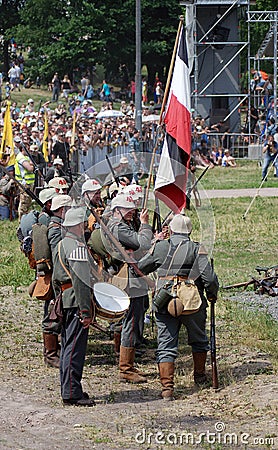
{"x": 171, "y": 278}
{"x": 66, "y": 286}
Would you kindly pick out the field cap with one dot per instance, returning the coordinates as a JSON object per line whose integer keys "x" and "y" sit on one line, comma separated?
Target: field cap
{"x": 123, "y": 160}
{"x": 30, "y": 100}
{"x": 58, "y": 161}
{"x": 130, "y": 190}
{"x": 34, "y": 147}
{"x": 75, "y": 216}
{"x": 59, "y": 201}
{"x": 123, "y": 201}
{"x": 181, "y": 224}
{"x": 47, "y": 194}
{"x": 58, "y": 183}
{"x": 90, "y": 186}
{"x": 114, "y": 187}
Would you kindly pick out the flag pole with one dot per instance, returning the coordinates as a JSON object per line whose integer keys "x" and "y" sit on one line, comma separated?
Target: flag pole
{"x": 168, "y": 82}
{"x": 165, "y": 98}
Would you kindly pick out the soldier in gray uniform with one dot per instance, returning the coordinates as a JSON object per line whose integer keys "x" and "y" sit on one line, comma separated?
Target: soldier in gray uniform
{"x": 183, "y": 258}
{"x": 51, "y": 328}
{"x": 72, "y": 279}
{"x": 136, "y": 243}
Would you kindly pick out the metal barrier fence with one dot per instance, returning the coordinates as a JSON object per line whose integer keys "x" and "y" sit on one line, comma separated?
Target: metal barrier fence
{"x": 239, "y": 145}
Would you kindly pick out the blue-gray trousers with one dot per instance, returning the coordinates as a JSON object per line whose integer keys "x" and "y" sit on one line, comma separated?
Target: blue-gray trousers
{"x": 168, "y": 328}
{"x": 133, "y": 323}
{"x": 73, "y": 351}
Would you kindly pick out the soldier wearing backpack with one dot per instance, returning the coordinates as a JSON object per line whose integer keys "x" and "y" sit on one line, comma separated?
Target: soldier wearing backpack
{"x": 55, "y": 232}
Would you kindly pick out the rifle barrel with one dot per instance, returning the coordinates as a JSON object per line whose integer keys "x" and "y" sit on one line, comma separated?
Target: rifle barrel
{"x": 116, "y": 179}
{"x": 215, "y": 383}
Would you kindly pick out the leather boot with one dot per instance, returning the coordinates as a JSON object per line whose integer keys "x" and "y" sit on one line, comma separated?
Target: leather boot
{"x": 199, "y": 360}
{"x": 166, "y": 373}
{"x": 127, "y": 371}
{"x": 117, "y": 342}
{"x": 50, "y": 350}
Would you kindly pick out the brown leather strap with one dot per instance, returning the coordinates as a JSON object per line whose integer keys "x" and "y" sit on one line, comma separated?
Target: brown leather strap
{"x": 172, "y": 278}
{"x": 66, "y": 286}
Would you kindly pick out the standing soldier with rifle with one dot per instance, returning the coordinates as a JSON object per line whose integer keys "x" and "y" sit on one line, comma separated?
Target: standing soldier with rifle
{"x": 178, "y": 261}
{"x": 24, "y": 174}
{"x": 136, "y": 243}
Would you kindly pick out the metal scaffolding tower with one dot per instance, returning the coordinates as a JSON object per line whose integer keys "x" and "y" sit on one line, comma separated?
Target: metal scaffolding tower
{"x": 217, "y": 48}
{"x": 268, "y": 48}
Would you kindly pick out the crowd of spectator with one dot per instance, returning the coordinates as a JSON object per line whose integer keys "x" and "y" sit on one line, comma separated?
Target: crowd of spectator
{"x": 98, "y": 133}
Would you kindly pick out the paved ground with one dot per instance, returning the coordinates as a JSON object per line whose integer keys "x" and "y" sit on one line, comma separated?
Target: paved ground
{"x": 235, "y": 193}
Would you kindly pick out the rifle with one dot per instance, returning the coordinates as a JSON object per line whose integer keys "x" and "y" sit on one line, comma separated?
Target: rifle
{"x": 213, "y": 342}
{"x": 24, "y": 188}
{"x": 37, "y": 169}
{"x": 191, "y": 189}
{"x": 116, "y": 179}
{"x": 245, "y": 284}
{"x": 124, "y": 254}
{"x": 157, "y": 225}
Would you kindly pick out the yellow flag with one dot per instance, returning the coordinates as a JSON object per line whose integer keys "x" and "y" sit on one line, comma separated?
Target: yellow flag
{"x": 72, "y": 148}
{"x": 45, "y": 138}
{"x": 7, "y": 138}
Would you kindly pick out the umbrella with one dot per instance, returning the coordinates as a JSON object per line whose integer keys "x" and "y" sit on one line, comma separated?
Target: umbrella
{"x": 109, "y": 113}
{"x": 151, "y": 118}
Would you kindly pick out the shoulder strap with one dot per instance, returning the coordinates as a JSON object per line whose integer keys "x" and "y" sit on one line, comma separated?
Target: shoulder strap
{"x": 61, "y": 262}
{"x": 54, "y": 225}
{"x": 172, "y": 254}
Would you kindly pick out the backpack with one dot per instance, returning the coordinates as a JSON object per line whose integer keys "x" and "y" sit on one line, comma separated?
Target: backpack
{"x": 24, "y": 235}
{"x": 41, "y": 248}
{"x": 27, "y": 221}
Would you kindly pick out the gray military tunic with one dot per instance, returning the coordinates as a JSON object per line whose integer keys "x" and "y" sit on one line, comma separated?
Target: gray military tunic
{"x": 137, "y": 243}
{"x": 190, "y": 260}
{"x": 54, "y": 236}
{"x": 76, "y": 300}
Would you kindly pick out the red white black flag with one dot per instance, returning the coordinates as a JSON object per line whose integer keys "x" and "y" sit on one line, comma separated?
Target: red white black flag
{"x": 170, "y": 185}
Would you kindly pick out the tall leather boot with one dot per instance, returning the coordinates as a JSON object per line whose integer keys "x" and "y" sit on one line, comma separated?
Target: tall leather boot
{"x": 50, "y": 350}
{"x": 117, "y": 342}
{"x": 166, "y": 373}
{"x": 128, "y": 373}
{"x": 199, "y": 360}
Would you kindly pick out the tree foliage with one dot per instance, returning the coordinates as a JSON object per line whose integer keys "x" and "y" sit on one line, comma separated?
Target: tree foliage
{"x": 79, "y": 34}
{"x": 9, "y": 17}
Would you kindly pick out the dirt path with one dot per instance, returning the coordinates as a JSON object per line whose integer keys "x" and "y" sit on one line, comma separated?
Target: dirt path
{"x": 241, "y": 415}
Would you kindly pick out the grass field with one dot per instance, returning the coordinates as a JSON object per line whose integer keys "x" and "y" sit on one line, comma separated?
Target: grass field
{"x": 246, "y": 175}
{"x": 239, "y": 246}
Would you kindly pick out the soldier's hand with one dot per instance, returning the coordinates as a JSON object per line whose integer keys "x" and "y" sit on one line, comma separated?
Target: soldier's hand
{"x": 86, "y": 322}
{"x": 144, "y": 216}
{"x": 159, "y": 236}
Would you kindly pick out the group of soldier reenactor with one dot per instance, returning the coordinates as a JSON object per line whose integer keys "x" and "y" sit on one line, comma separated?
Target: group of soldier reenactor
{"x": 96, "y": 233}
